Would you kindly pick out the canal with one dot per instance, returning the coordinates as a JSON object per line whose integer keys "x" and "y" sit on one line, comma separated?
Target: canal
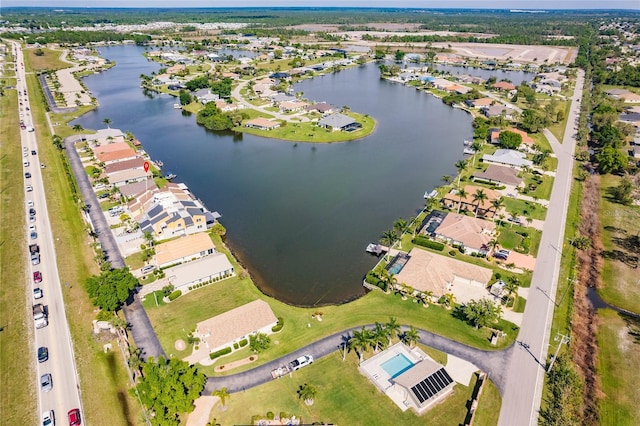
{"x": 298, "y": 216}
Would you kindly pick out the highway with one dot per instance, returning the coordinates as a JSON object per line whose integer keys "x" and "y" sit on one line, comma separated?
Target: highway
{"x": 526, "y": 368}
{"x": 65, "y": 394}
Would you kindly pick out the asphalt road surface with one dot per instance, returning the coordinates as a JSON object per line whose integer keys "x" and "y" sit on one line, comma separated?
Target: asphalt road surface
{"x": 525, "y": 371}
{"x": 65, "y": 394}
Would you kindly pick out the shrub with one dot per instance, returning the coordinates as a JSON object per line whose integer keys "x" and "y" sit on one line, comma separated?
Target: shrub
{"x": 190, "y": 287}
{"x": 372, "y": 278}
{"x": 235, "y": 346}
{"x": 426, "y": 242}
{"x": 167, "y": 289}
{"x": 173, "y": 296}
{"x": 216, "y": 354}
{"x": 278, "y": 326}
{"x": 284, "y": 415}
{"x": 270, "y": 415}
{"x": 243, "y": 343}
{"x": 452, "y": 252}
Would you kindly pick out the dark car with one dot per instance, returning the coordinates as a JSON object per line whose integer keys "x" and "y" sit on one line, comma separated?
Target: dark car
{"x": 37, "y": 277}
{"x": 43, "y": 354}
{"x": 33, "y": 152}
{"x": 32, "y": 211}
{"x": 27, "y": 175}
{"x": 74, "y": 417}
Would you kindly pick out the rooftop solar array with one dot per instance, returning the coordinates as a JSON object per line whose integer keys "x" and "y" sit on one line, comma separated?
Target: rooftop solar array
{"x": 432, "y": 385}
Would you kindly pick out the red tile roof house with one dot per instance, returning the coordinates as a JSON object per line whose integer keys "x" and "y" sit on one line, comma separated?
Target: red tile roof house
{"x": 113, "y": 157}
{"x": 526, "y": 139}
{"x": 504, "y": 85}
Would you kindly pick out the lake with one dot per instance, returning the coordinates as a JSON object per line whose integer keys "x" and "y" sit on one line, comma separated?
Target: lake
{"x": 298, "y": 216}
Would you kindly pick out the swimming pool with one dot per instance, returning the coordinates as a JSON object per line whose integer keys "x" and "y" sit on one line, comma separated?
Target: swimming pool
{"x": 398, "y": 263}
{"x": 397, "y": 365}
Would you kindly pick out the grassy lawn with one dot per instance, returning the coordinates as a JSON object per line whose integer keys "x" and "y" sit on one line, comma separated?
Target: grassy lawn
{"x": 310, "y": 132}
{"x": 543, "y": 185}
{"x": 346, "y": 397}
{"x": 509, "y": 239}
{"x": 175, "y": 320}
{"x": 619, "y": 368}
{"x": 15, "y": 318}
{"x": 621, "y": 224}
{"x": 512, "y": 235}
{"x": 102, "y": 378}
{"x": 541, "y": 140}
{"x": 524, "y": 208}
{"x": 60, "y": 121}
{"x": 50, "y": 60}
{"x": 558, "y": 128}
{"x": 134, "y": 261}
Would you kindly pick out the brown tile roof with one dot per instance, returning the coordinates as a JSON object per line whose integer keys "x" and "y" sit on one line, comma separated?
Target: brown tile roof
{"x": 501, "y": 174}
{"x": 136, "y": 163}
{"x": 483, "y": 102}
{"x": 241, "y": 321}
{"x": 262, "y": 122}
{"x": 426, "y": 271}
{"x": 504, "y": 85}
{"x": 189, "y": 245}
{"x": 470, "y": 231}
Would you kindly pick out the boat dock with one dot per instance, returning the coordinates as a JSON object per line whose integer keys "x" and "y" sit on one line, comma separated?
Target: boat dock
{"x": 431, "y": 194}
{"x": 376, "y": 249}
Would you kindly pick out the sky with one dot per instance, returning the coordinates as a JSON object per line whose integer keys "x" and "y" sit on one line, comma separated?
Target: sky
{"x": 475, "y": 4}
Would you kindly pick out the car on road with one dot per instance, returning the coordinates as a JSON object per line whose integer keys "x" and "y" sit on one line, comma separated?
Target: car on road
{"x": 29, "y": 203}
{"x": 28, "y": 188}
{"x": 303, "y": 361}
{"x": 74, "y": 417}
{"x": 32, "y": 228}
{"x": 37, "y": 277}
{"x": 48, "y": 419}
{"x": 33, "y": 152}
{"x": 25, "y": 154}
{"x": 42, "y": 165}
{"x": 33, "y": 235}
{"x": 515, "y": 220}
{"x": 25, "y": 163}
{"x": 43, "y": 354}
{"x": 32, "y": 218}
{"x": 46, "y": 382}
{"x": 37, "y": 293}
{"x": 32, "y": 211}
{"x": 27, "y": 175}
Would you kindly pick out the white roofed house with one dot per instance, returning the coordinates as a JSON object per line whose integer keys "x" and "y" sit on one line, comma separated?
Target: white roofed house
{"x": 508, "y": 157}
{"x": 237, "y": 324}
{"x": 202, "y": 270}
{"x": 124, "y": 177}
{"x": 339, "y": 122}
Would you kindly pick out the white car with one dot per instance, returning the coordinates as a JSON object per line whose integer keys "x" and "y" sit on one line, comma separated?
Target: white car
{"x": 32, "y": 228}
{"x": 48, "y": 419}
{"x": 303, "y": 361}
{"x": 30, "y": 203}
{"x": 37, "y": 293}
{"x": 28, "y": 188}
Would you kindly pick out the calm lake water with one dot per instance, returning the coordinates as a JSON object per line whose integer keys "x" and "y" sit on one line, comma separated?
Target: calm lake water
{"x": 299, "y": 216}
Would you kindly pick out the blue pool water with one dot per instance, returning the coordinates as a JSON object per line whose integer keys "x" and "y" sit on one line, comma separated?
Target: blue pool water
{"x": 397, "y": 264}
{"x": 397, "y": 365}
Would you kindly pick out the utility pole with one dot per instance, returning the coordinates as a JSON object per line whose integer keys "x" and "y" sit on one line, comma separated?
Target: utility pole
{"x": 563, "y": 340}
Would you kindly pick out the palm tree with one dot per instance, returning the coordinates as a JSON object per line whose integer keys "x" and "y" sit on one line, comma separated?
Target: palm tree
{"x": 497, "y": 204}
{"x": 461, "y": 194}
{"x": 107, "y": 121}
{"x": 380, "y": 337}
{"x": 512, "y": 285}
{"x": 400, "y": 226}
{"x": 135, "y": 361}
{"x": 446, "y": 179}
{"x": 460, "y": 165}
{"x": 475, "y": 146}
{"x": 448, "y": 300}
{"x": 57, "y": 141}
{"x": 389, "y": 280}
{"x": 410, "y": 337}
{"x": 77, "y": 128}
{"x": 223, "y": 395}
{"x": 307, "y": 393}
{"x": 479, "y": 197}
{"x": 360, "y": 341}
{"x": 493, "y": 244}
{"x": 393, "y": 328}
{"x": 425, "y": 297}
{"x": 389, "y": 238}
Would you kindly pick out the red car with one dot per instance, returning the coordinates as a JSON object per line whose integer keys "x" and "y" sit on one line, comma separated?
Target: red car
{"x": 74, "y": 417}
{"x": 37, "y": 277}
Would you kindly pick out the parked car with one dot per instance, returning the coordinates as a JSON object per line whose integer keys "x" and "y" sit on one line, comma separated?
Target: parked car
{"x": 27, "y": 175}
{"x": 33, "y": 235}
{"x": 46, "y": 382}
{"x": 74, "y": 417}
{"x": 37, "y": 293}
{"x": 32, "y": 211}
{"x": 37, "y": 277}
{"x": 28, "y": 188}
{"x": 48, "y": 419}
{"x": 29, "y": 203}
{"x": 33, "y": 152}
{"x": 303, "y": 361}
{"x": 502, "y": 254}
{"x": 147, "y": 269}
{"x": 43, "y": 354}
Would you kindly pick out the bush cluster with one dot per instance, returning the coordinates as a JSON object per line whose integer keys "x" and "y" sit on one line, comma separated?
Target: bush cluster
{"x": 426, "y": 242}
{"x": 278, "y": 326}
{"x": 224, "y": 351}
{"x": 243, "y": 343}
{"x": 213, "y": 280}
{"x": 173, "y": 296}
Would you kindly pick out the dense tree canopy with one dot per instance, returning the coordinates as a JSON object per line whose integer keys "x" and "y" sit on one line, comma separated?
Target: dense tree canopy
{"x": 482, "y": 313}
{"x": 611, "y": 159}
{"x": 168, "y": 388}
{"x": 533, "y": 121}
{"x": 111, "y": 289}
{"x": 510, "y": 140}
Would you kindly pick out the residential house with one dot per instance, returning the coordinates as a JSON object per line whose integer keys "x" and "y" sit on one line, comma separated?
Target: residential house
{"x": 339, "y": 122}
{"x": 116, "y": 156}
{"x": 282, "y": 97}
{"x": 292, "y": 106}
{"x": 479, "y": 103}
{"x": 632, "y": 118}
{"x": 176, "y": 69}
{"x": 442, "y": 84}
{"x": 110, "y": 147}
{"x": 104, "y": 136}
{"x": 184, "y": 249}
{"x": 427, "y": 271}
{"x": 471, "y": 233}
{"x": 499, "y": 175}
{"x": 225, "y": 106}
{"x": 235, "y": 325}
{"x": 321, "y": 107}
{"x": 494, "y": 136}
{"x": 262, "y": 124}
{"x": 624, "y": 94}
{"x": 135, "y": 189}
{"x": 508, "y": 157}
{"x": 136, "y": 163}
{"x": 204, "y": 96}
{"x": 504, "y": 86}
{"x": 202, "y": 270}
{"x": 468, "y": 202}
{"x": 497, "y": 111}
{"x": 124, "y": 177}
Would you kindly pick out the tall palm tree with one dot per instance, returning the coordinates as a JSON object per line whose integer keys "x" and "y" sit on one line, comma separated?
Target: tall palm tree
{"x": 446, "y": 179}
{"x": 493, "y": 244}
{"x": 512, "y": 287}
{"x": 223, "y": 395}
{"x": 448, "y": 300}
{"x": 400, "y": 226}
{"x": 380, "y": 337}
{"x": 77, "y": 128}
{"x": 388, "y": 279}
{"x": 497, "y": 204}
{"x": 461, "y": 194}
{"x": 307, "y": 393}
{"x": 107, "y": 121}
{"x": 360, "y": 341}
{"x": 393, "y": 328}
{"x": 460, "y": 165}
{"x": 389, "y": 238}
{"x": 425, "y": 297}
{"x": 479, "y": 197}
{"x": 57, "y": 141}
{"x": 410, "y": 337}
{"x": 476, "y": 146}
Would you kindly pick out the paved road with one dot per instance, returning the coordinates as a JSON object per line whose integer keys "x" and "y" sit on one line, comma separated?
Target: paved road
{"x": 489, "y": 361}
{"x": 525, "y": 371}
{"x": 65, "y": 394}
{"x": 141, "y": 329}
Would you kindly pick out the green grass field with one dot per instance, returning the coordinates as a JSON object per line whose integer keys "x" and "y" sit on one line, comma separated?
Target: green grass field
{"x": 525, "y": 208}
{"x": 346, "y": 397}
{"x": 543, "y": 189}
{"x": 15, "y": 316}
{"x": 50, "y": 60}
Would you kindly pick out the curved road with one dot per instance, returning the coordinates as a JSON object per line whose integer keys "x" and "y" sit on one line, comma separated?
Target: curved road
{"x": 491, "y": 362}
{"x": 141, "y": 329}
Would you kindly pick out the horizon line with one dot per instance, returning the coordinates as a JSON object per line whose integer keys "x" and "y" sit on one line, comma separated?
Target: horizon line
{"x": 515, "y": 10}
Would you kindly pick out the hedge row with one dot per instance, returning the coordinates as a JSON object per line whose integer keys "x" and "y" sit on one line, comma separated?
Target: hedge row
{"x": 216, "y": 279}
{"x": 243, "y": 343}
{"x": 278, "y": 326}
{"x": 173, "y": 296}
{"x": 216, "y": 354}
{"x": 426, "y": 242}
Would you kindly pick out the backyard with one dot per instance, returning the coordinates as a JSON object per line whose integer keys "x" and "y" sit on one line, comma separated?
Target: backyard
{"x": 345, "y": 397}
{"x": 524, "y": 208}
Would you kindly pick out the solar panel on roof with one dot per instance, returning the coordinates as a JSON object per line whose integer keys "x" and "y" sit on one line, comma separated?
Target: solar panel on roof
{"x": 431, "y": 385}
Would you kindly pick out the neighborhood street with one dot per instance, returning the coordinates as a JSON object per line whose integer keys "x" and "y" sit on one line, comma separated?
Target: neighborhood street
{"x": 525, "y": 372}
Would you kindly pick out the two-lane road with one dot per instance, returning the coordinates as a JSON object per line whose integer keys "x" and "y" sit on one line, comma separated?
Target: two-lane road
{"x": 65, "y": 394}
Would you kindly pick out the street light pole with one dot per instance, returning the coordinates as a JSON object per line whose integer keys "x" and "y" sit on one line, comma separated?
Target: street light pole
{"x": 563, "y": 340}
